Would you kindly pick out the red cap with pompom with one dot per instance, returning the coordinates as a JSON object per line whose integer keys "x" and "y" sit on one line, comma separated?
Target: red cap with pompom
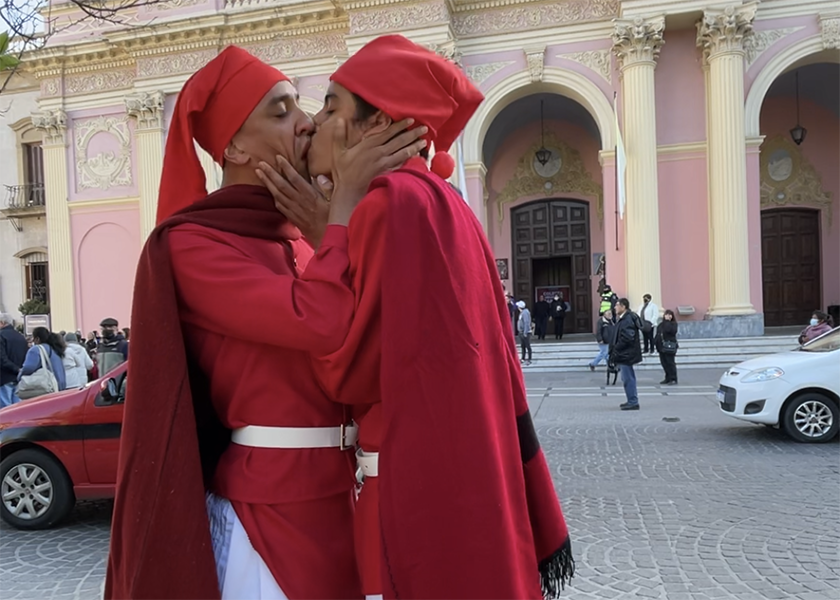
{"x": 405, "y": 80}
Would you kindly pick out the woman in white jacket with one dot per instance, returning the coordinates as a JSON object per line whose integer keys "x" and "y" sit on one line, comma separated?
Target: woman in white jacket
{"x": 77, "y": 362}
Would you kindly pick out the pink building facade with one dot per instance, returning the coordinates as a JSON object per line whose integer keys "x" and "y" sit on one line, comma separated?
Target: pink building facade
{"x": 727, "y": 220}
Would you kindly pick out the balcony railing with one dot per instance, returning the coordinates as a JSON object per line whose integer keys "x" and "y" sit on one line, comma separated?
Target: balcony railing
{"x": 29, "y": 195}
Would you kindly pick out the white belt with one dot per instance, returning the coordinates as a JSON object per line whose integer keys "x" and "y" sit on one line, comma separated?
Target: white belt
{"x": 368, "y": 463}
{"x": 258, "y": 436}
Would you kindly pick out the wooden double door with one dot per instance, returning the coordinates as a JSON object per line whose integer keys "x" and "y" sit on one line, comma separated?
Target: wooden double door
{"x": 790, "y": 265}
{"x": 550, "y": 245}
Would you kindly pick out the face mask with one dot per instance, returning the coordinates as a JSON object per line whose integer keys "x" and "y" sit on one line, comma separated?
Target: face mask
{"x": 814, "y": 322}
{"x": 556, "y": 297}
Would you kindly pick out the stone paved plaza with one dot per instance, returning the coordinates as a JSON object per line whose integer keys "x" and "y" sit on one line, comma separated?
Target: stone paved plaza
{"x": 676, "y": 502}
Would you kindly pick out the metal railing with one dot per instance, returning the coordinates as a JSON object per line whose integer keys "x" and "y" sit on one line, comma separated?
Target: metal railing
{"x": 27, "y": 195}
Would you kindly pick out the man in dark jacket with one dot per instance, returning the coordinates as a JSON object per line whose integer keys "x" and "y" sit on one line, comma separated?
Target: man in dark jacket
{"x": 626, "y": 350}
{"x": 542, "y": 310}
{"x": 112, "y": 350}
{"x": 13, "y": 349}
{"x": 559, "y": 308}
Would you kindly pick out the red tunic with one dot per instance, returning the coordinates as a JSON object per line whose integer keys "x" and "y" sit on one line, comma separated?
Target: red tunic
{"x": 254, "y": 314}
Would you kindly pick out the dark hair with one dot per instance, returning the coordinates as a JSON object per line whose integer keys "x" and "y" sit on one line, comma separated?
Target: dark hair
{"x": 624, "y": 302}
{"x": 823, "y": 317}
{"x": 647, "y": 297}
{"x": 365, "y": 110}
{"x": 45, "y": 336}
{"x": 671, "y": 312}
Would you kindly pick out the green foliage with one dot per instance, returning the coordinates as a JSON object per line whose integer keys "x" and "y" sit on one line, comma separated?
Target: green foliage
{"x": 7, "y": 61}
{"x": 34, "y": 307}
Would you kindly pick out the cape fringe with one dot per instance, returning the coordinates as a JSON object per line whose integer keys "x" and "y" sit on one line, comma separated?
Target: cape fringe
{"x": 557, "y": 570}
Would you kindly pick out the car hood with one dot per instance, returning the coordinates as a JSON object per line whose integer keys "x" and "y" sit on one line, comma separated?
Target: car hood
{"x": 37, "y": 409}
{"x": 783, "y": 360}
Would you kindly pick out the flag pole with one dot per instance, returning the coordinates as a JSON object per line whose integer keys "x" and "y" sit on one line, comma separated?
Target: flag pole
{"x": 615, "y": 108}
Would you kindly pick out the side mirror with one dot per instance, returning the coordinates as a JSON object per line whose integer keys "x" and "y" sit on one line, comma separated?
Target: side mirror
{"x": 110, "y": 392}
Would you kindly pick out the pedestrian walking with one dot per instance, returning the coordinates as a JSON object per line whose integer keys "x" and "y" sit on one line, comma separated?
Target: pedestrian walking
{"x": 666, "y": 345}
{"x": 13, "y": 348}
{"x": 525, "y": 332}
{"x": 626, "y": 351}
{"x": 603, "y": 333}
{"x": 648, "y": 313}
{"x": 542, "y": 311}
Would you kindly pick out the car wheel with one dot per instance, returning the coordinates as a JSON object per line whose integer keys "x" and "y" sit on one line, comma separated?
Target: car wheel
{"x": 35, "y": 491}
{"x": 812, "y": 417}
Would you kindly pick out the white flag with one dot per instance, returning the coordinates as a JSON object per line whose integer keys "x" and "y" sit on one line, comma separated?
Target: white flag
{"x": 620, "y": 168}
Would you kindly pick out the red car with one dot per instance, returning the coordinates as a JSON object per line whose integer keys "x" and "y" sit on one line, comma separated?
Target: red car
{"x": 58, "y": 448}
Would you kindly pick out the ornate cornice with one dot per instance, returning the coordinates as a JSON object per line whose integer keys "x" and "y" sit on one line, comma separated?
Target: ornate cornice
{"x": 147, "y": 108}
{"x": 392, "y": 18}
{"x": 638, "y": 40}
{"x": 482, "y": 21}
{"x": 54, "y": 125}
{"x": 724, "y": 31}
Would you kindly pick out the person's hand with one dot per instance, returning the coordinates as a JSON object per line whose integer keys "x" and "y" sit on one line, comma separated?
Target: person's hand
{"x": 354, "y": 168}
{"x": 305, "y": 204}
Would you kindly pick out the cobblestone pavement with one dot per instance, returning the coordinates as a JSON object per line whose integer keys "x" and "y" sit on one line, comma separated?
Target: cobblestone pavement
{"x": 703, "y": 507}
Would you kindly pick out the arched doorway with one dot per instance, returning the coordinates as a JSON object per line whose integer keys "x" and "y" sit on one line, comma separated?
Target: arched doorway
{"x": 550, "y": 245}
{"x": 800, "y": 191}
{"x": 790, "y": 269}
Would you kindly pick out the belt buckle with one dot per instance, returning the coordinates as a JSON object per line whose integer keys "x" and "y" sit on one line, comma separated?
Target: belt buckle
{"x": 342, "y": 445}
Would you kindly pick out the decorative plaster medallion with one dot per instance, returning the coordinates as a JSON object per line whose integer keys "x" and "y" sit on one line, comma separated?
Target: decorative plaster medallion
{"x": 395, "y": 18}
{"x": 98, "y": 81}
{"x": 107, "y": 168}
{"x": 597, "y": 60}
{"x": 721, "y": 31}
{"x": 147, "y": 108}
{"x": 638, "y": 40}
{"x": 171, "y": 64}
{"x": 759, "y": 41}
{"x": 550, "y": 168}
{"x": 290, "y": 48}
{"x": 485, "y": 21}
{"x": 447, "y": 50}
{"x": 176, "y": 4}
{"x": 788, "y": 179}
{"x": 572, "y": 178}
{"x": 54, "y": 125}
{"x": 50, "y": 88}
{"x": 536, "y": 63}
{"x": 830, "y": 32}
{"x": 481, "y": 73}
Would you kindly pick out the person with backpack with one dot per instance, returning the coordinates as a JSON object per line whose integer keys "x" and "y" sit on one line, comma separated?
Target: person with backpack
{"x": 626, "y": 350}
{"x": 46, "y": 353}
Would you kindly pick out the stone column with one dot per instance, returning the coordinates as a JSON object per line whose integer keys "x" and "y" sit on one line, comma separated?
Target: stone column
{"x": 721, "y": 34}
{"x": 637, "y": 44}
{"x": 53, "y": 124}
{"x": 474, "y": 173}
{"x": 147, "y": 109}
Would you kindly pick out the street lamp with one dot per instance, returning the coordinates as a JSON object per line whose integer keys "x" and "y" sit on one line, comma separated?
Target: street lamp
{"x": 543, "y": 154}
{"x": 798, "y": 133}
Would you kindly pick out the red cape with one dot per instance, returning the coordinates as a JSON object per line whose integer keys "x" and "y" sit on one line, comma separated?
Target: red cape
{"x": 468, "y": 507}
{"x": 171, "y": 437}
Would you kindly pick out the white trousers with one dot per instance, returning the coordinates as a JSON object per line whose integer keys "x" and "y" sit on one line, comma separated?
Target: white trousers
{"x": 243, "y": 575}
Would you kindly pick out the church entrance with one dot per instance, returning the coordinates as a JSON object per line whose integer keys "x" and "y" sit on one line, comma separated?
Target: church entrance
{"x": 790, "y": 265}
{"x": 550, "y": 244}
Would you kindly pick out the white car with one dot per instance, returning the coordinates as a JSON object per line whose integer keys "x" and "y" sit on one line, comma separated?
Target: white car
{"x": 799, "y": 390}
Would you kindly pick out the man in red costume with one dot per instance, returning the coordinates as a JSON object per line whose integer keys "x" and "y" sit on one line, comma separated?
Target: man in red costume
{"x": 227, "y": 401}
{"x": 457, "y": 500}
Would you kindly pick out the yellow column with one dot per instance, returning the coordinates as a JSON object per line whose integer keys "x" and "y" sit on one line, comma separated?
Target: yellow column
{"x": 721, "y": 34}
{"x": 147, "y": 108}
{"x": 637, "y": 44}
{"x": 475, "y": 192}
{"x": 53, "y": 124}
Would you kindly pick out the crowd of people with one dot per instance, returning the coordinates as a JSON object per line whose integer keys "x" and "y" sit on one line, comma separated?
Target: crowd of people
{"x": 46, "y": 361}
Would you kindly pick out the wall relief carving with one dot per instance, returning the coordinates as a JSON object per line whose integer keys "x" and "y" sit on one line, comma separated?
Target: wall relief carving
{"x": 395, "y": 18}
{"x": 536, "y": 63}
{"x": 830, "y": 32}
{"x": 50, "y": 87}
{"x": 789, "y": 179}
{"x": 571, "y": 178}
{"x": 290, "y": 48}
{"x": 54, "y": 125}
{"x": 598, "y": 60}
{"x": 98, "y": 81}
{"x": 147, "y": 108}
{"x": 108, "y": 164}
{"x": 530, "y": 17}
{"x": 760, "y": 41}
{"x": 481, "y": 73}
{"x": 171, "y": 64}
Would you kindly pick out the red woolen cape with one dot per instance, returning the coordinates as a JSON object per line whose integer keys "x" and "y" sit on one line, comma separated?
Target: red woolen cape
{"x": 171, "y": 437}
{"x": 468, "y": 508}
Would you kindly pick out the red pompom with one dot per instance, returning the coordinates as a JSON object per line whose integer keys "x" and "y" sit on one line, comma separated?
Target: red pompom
{"x": 443, "y": 165}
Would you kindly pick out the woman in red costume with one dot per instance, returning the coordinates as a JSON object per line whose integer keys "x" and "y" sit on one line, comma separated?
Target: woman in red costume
{"x": 457, "y": 500}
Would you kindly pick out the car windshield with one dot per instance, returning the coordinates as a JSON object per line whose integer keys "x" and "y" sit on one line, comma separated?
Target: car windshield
{"x": 825, "y": 343}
